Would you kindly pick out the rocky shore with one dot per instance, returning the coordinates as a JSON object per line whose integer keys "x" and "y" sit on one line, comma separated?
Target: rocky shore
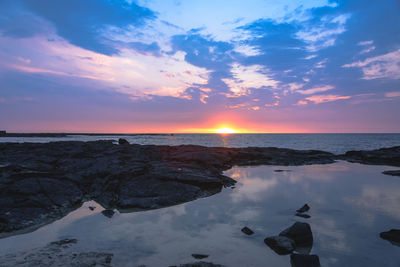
{"x": 43, "y": 182}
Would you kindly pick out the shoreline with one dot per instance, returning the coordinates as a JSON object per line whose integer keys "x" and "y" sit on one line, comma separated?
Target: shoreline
{"x": 43, "y": 182}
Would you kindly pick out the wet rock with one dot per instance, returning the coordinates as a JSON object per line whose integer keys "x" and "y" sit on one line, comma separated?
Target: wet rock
{"x": 123, "y": 141}
{"x": 247, "y": 230}
{"x": 304, "y": 208}
{"x": 393, "y": 173}
{"x": 393, "y": 235}
{"x": 306, "y": 216}
{"x": 300, "y": 260}
{"x": 199, "y": 256}
{"x": 300, "y": 233}
{"x": 64, "y": 242}
{"x": 279, "y": 170}
{"x": 108, "y": 213}
{"x": 280, "y": 244}
{"x": 92, "y": 208}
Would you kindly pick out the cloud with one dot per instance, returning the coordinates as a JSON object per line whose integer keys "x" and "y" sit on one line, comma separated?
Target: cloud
{"x": 383, "y": 66}
{"x": 315, "y": 90}
{"x": 392, "y": 94}
{"x": 245, "y": 78}
{"x": 318, "y": 99}
{"x": 83, "y": 23}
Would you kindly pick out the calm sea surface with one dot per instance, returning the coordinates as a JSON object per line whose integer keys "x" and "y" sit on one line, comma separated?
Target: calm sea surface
{"x": 335, "y": 143}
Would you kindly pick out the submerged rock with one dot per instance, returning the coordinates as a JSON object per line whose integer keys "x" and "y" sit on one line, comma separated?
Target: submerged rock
{"x": 300, "y": 233}
{"x": 393, "y": 173}
{"x": 306, "y": 216}
{"x": 59, "y": 253}
{"x": 300, "y": 260}
{"x": 393, "y": 235}
{"x": 280, "y": 244}
{"x": 199, "y": 256}
{"x": 247, "y": 230}
{"x": 303, "y": 209}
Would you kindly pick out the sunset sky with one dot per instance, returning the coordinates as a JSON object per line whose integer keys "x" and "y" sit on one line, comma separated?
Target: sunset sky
{"x": 199, "y": 65}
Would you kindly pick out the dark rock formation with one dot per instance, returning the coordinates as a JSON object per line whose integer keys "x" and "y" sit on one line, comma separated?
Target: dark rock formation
{"x": 393, "y": 173}
{"x": 393, "y": 235}
{"x": 199, "y": 256}
{"x": 123, "y": 141}
{"x": 300, "y": 233}
{"x": 59, "y": 253}
{"x": 280, "y": 244}
{"x": 41, "y": 182}
{"x": 300, "y": 260}
{"x": 384, "y": 156}
{"x": 303, "y": 209}
{"x": 247, "y": 230}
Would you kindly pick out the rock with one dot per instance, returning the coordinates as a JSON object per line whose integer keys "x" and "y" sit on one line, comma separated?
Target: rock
{"x": 282, "y": 170}
{"x": 280, "y": 244}
{"x": 199, "y": 256}
{"x": 300, "y": 260}
{"x": 306, "y": 216}
{"x": 300, "y": 233}
{"x": 393, "y": 173}
{"x": 123, "y": 141}
{"x": 384, "y": 156}
{"x": 247, "y": 230}
{"x": 303, "y": 209}
{"x": 92, "y": 208}
{"x": 108, "y": 213}
{"x": 393, "y": 235}
{"x": 200, "y": 264}
{"x": 58, "y": 253}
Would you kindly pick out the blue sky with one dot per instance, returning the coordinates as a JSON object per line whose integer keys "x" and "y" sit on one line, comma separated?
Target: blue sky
{"x": 193, "y": 66}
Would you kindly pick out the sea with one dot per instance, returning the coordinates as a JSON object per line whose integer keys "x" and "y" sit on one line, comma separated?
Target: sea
{"x": 335, "y": 143}
{"x": 351, "y": 204}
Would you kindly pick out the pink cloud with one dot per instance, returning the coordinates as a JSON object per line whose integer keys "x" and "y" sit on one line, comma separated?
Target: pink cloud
{"x": 315, "y": 90}
{"x": 318, "y": 99}
{"x": 392, "y": 94}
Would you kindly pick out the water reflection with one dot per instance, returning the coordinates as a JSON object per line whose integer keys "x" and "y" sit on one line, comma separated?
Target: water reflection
{"x": 350, "y": 205}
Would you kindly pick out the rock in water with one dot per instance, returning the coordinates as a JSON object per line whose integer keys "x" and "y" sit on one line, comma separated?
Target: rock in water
{"x": 300, "y": 233}
{"x": 123, "y": 141}
{"x": 199, "y": 256}
{"x": 303, "y": 209}
{"x": 280, "y": 244}
{"x": 300, "y": 260}
{"x": 393, "y": 173}
{"x": 393, "y": 235}
{"x": 92, "y": 208}
{"x": 108, "y": 213}
{"x": 306, "y": 216}
{"x": 200, "y": 264}
{"x": 247, "y": 230}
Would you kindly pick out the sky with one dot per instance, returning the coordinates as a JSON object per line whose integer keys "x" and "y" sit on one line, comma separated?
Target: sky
{"x": 194, "y": 66}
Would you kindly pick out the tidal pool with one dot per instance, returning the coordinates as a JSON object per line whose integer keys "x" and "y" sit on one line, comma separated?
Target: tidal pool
{"x": 350, "y": 205}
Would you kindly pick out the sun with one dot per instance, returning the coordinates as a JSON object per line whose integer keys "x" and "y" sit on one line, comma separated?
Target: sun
{"x": 225, "y": 130}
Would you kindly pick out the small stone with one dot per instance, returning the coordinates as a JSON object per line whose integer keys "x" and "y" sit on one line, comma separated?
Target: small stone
{"x": 108, "y": 213}
{"x": 304, "y": 208}
{"x": 91, "y": 208}
{"x": 306, "y": 216}
{"x": 280, "y": 244}
{"x": 281, "y": 170}
{"x": 247, "y": 230}
{"x": 199, "y": 256}
{"x": 393, "y": 235}
{"x": 300, "y": 260}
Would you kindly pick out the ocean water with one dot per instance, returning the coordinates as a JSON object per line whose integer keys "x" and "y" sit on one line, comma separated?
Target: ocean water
{"x": 335, "y": 143}
{"x": 350, "y": 205}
